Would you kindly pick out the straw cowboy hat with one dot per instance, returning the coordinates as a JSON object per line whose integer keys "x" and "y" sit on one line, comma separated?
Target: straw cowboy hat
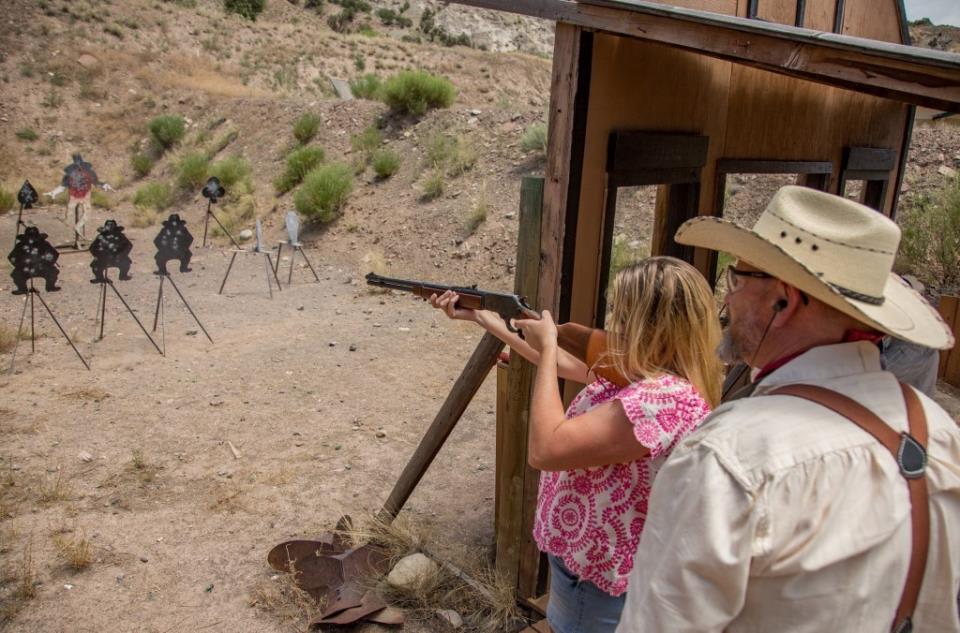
{"x": 838, "y": 251}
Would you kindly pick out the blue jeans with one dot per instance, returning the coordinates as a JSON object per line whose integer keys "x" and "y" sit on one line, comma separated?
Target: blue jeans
{"x": 579, "y": 606}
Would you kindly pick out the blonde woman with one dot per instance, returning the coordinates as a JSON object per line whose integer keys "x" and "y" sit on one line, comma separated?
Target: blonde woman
{"x": 599, "y": 457}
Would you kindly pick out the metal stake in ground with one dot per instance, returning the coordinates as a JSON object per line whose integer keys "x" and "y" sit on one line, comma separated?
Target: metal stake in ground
{"x": 31, "y": 292}
{"x": 166, "y": 277}
{"x": 103, "y": 310}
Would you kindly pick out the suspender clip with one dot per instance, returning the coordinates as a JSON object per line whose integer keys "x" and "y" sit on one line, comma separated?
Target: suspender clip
{"x": 911, "y": 457}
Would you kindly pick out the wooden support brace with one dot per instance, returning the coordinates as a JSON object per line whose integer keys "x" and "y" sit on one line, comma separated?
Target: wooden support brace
{"x": 472, "y": 376}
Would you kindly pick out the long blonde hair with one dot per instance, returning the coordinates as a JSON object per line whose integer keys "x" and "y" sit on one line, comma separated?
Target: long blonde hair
{"x": 664, "y": 320}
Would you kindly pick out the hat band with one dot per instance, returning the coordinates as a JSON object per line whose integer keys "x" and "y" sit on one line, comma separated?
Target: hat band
{"x": 853, "y": 294}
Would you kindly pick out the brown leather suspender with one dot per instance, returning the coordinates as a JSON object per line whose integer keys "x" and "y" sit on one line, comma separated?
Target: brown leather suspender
{"x": 909, "y": 450}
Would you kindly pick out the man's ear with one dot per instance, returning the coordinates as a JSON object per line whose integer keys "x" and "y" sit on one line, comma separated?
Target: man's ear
{"x": 786, "y": 304}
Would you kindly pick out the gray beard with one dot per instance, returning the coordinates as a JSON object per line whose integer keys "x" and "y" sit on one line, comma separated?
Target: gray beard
{"x": 729, "y": 350}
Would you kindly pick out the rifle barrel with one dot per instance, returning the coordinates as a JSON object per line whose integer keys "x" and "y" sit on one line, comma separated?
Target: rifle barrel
{"x": 402, "y": 284}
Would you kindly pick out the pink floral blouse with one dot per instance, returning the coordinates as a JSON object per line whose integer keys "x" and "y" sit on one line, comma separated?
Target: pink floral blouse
{"x": 592, "y": 518}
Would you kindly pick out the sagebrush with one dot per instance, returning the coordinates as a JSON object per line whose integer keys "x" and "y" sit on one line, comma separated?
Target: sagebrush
{"x": 192, "y": 170}
{"x": 155, "y": 196}
{"x": 6, "y": 200}
{"x": 366, "y": 87}
{"x": 385, "y": 163}
{"x": 299, "y": 163}
{"x": 416, "y": 91}
{"x": 167, "y": 130}
{"x": 306, "y": 127}
{"x": 930, "y": 242}
{"x": 249, "y": 9}
{"x": 324, "y": 191}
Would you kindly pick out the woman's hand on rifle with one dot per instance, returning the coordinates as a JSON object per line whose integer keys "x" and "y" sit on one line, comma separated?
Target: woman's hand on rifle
{"x": 448, "y": 303}
{"x": 539, "y": 333}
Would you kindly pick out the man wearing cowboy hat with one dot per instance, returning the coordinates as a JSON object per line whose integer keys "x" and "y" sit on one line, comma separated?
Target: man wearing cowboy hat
{"x": 783, "y": 513}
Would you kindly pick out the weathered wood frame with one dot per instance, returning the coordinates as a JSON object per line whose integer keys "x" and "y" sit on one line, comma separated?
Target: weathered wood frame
{"x": 873, "y": 165}
{"x": 894, "y": 71}
{"x": 638, "y": 158}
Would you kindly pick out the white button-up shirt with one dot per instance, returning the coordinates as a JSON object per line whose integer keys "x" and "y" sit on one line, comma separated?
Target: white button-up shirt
{"x": 780, "y": 515}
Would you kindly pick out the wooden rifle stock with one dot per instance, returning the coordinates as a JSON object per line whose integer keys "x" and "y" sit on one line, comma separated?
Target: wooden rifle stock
{"x": 589, "y": 345}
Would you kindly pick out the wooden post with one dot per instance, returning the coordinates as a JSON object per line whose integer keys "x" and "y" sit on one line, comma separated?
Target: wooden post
{"x": 472, "y": 376}
{"x": 517, "y": 555}
{"x": 950, "y": 359}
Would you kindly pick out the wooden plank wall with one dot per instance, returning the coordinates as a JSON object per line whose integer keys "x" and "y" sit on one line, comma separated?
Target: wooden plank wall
{"x": 950, "y": 359}
{"x": 746, "y": 113}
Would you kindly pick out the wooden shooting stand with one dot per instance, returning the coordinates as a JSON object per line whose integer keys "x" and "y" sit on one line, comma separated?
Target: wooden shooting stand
{"x": 679, "y": 97}
{"x": 297, "y": 248}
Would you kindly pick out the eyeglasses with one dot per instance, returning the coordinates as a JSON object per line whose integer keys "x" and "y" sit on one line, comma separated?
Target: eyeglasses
{"x": 734, "y": 275}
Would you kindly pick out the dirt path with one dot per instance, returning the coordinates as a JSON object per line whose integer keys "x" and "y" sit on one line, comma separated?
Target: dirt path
{"x": 300, "y": 385}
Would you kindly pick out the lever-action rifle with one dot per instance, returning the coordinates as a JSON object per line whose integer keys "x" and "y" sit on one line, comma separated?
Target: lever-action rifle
{"x": 587, "y": 344}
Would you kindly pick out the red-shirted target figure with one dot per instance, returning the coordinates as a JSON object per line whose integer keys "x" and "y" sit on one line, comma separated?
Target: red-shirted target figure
{"x": 79, "y": 179}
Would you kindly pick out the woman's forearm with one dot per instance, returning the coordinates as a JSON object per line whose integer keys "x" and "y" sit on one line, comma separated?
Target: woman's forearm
{"x": 546, "y": 408}
{"x": 492, "y": 323}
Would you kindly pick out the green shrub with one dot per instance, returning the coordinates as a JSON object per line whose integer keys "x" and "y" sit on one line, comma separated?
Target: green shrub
{"x": 156, "y": 196}
{"x": 535, "y": 139}
{"x": 340, "y": 22}
{"x": 6, "y": 200}
{"x": 366, "y": 141}
{"x": 249, "y": 9}
{"x": 305, "y": 128}
{"x": 142, "y": 164}
{"x": 231, "y": 171}
{"x": 366, "y": 87}
{"x": 930, "y": 242}
{"x": 452, "y": 154}
{"x": 389, "y": 17}
{"x": 416, "y": 91}
{"x": 625, "y": 252}
{"x": 101, "y": 200}
{"x": 299, "y": 163}
{"x": 192, "y": 170}
{"x": 385, "y": 163}
{"x": 167, "y": 130}
{"x": 433, "y": 186}
{"x": 26, "y": 134}
{"x": 324, "y": 191}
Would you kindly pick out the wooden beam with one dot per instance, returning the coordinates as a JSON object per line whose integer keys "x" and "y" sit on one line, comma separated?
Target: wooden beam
{"x": 515, "y": 562}
{"x": 561, "y": 191}
{"x": 838, "y": 17}
{"x": 481, "y": 362}
{"x": 912, "y": 75}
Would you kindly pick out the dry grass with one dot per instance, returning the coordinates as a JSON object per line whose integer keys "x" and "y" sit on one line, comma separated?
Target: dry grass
{"x": 486, "y": 602}
{"x": 75, "y": 552}
{"x": 18, "y": 585}
{"x": 54, "y": 489}
{"x": 8, "y": 338}
{"x": 144, "y": 217}
{"x": 280, "y": 596}
{"x": 93, "y": 394}
{"x": 194, "y": 73}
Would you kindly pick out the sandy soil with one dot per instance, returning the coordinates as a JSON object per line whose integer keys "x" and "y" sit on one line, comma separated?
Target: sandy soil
{"x": 300, "y": 385}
